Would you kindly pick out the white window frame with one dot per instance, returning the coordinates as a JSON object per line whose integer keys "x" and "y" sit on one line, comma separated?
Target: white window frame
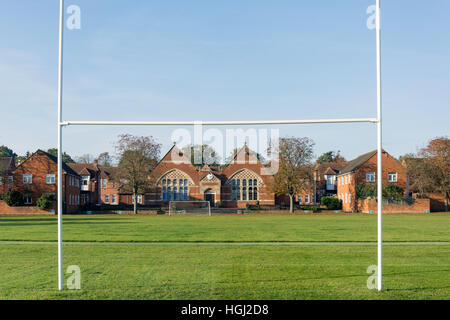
{"x": 49, "y": 181}
{"x": 107, "y": 198}
{"x": 370, "y": 177}
{"x": 392, "y": 174}
{"x": 27, "y": 178}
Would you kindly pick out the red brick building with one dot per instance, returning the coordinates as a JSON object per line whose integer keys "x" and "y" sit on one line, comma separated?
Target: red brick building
{"x": 236, "y": 184}
{"x": 38, "y": 175}
{"x": 7, "y": 167}
{"x": 364, "y": 170}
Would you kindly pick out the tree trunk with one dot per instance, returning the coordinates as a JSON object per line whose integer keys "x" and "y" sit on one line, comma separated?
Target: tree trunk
{"x": 446, "y": 201}
{"x": 291, "y": 203}
{"x": 135, "y": 210}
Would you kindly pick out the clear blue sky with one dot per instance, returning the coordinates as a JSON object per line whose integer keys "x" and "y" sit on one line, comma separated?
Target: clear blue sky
{"x": 225, "y": 60}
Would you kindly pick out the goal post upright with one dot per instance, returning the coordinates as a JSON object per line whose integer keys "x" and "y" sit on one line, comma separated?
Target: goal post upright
{"x": 59, "y": 147}
{"x": 379, "y": 151}
{"x": 62, "y": 124}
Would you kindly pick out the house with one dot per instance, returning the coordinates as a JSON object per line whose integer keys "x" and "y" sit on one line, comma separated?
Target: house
{"x": 363, "y": 170}
{"x": 38, "y": 175}
{"x": 90, "y": 183}
{"x": 325, "y": 182}
{"x": 7, "y": 167}
{"x": 109, "y": 189}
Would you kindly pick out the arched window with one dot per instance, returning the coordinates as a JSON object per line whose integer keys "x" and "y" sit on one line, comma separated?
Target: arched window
{"x": 175, "y": 194}
{"x": 186, "y": 193}
{"x": 250, "y": 192}
{"x": 169, "y": 193}
{"x": 244, "y": 193}
{"x": 164, "y": 193}
{"x": 255, "y": 193}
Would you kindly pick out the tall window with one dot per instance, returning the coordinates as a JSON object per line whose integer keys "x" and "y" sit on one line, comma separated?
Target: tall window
{"x": 85, "y": 180}
{"x": 392, "y": 176}
{"x": 27, "y": 199}
{"x": 104, "y": 183}
{"x": 179, "y": 191}
{"x": 370, "y": 176}
{"x": 106, "y": 198}
{"x": 114, "y": 199}
{"x": 245, "y": 189}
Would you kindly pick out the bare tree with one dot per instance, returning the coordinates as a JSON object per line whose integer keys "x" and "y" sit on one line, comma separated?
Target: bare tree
{"x": 138, "y": 156}
{"x": 85, "y": 158}
{"x": 104, "y": 159}
{"x": 295, "y": 170}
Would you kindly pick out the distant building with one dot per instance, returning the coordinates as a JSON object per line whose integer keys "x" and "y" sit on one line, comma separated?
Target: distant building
{"x": 38, "y": 175}
{"x": 364, "y": 170}
{"x": 7, "y": 168}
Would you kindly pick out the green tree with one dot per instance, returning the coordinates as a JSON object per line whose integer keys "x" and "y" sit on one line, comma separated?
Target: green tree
{"x": 330, "y": 156}
{"x": 65, "y": 157}
{"x": 7, "y": 152}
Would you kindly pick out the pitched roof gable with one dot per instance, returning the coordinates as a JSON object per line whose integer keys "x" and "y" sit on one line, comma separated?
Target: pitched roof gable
{"x": 54, "y": 159}
{"x": 358, "y": 162}
{"x": 175, "y": 155}
{"x": 6, "y": 164}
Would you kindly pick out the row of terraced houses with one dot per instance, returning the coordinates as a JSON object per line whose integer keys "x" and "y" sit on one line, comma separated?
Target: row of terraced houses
{"x": 237, "y": 184}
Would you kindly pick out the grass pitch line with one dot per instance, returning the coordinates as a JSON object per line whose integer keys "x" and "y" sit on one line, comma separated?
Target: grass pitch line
{"x": 211, "y": 243}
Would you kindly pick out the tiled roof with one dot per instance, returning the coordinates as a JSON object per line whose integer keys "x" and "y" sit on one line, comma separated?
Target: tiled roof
{"x": 6, "y": 164}
{"x": 65, "y": 167}
{"x": 358, "y": 162}
{"x": 85, "y": 168}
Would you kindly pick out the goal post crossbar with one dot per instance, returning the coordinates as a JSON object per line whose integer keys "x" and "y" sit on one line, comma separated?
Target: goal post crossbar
{"x": 216, "y": 123}
{"x": 61, "y": 124}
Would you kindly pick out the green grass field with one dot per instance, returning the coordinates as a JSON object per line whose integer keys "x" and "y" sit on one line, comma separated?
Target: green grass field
{"x": 226, "y": 257}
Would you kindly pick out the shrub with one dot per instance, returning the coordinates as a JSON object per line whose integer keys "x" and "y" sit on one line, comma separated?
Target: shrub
{"x": 390, "y": 191}
{"x": 45, "y": 201}
{"x": 331, "y": 203}
{"x": 13, "y": 198}
{"x": 309, "y": 208}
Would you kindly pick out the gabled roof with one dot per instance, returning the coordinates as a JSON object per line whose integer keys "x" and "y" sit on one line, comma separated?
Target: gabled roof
{"x": 65, "y": 167}
{"x": 6, "y": 164}
{"x": 175, "y": 151}
{"x": 84, "y": 169}
{"x": 358, "y": 162}
{"x": 330, "y": 168}
{"x": 245, "y": 154}
{"x": 107, "y": 172}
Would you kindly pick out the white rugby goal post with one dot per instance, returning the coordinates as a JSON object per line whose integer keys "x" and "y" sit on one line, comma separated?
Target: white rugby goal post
{"x": 189, "y": 207}
{"x": 377, "y": 121}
